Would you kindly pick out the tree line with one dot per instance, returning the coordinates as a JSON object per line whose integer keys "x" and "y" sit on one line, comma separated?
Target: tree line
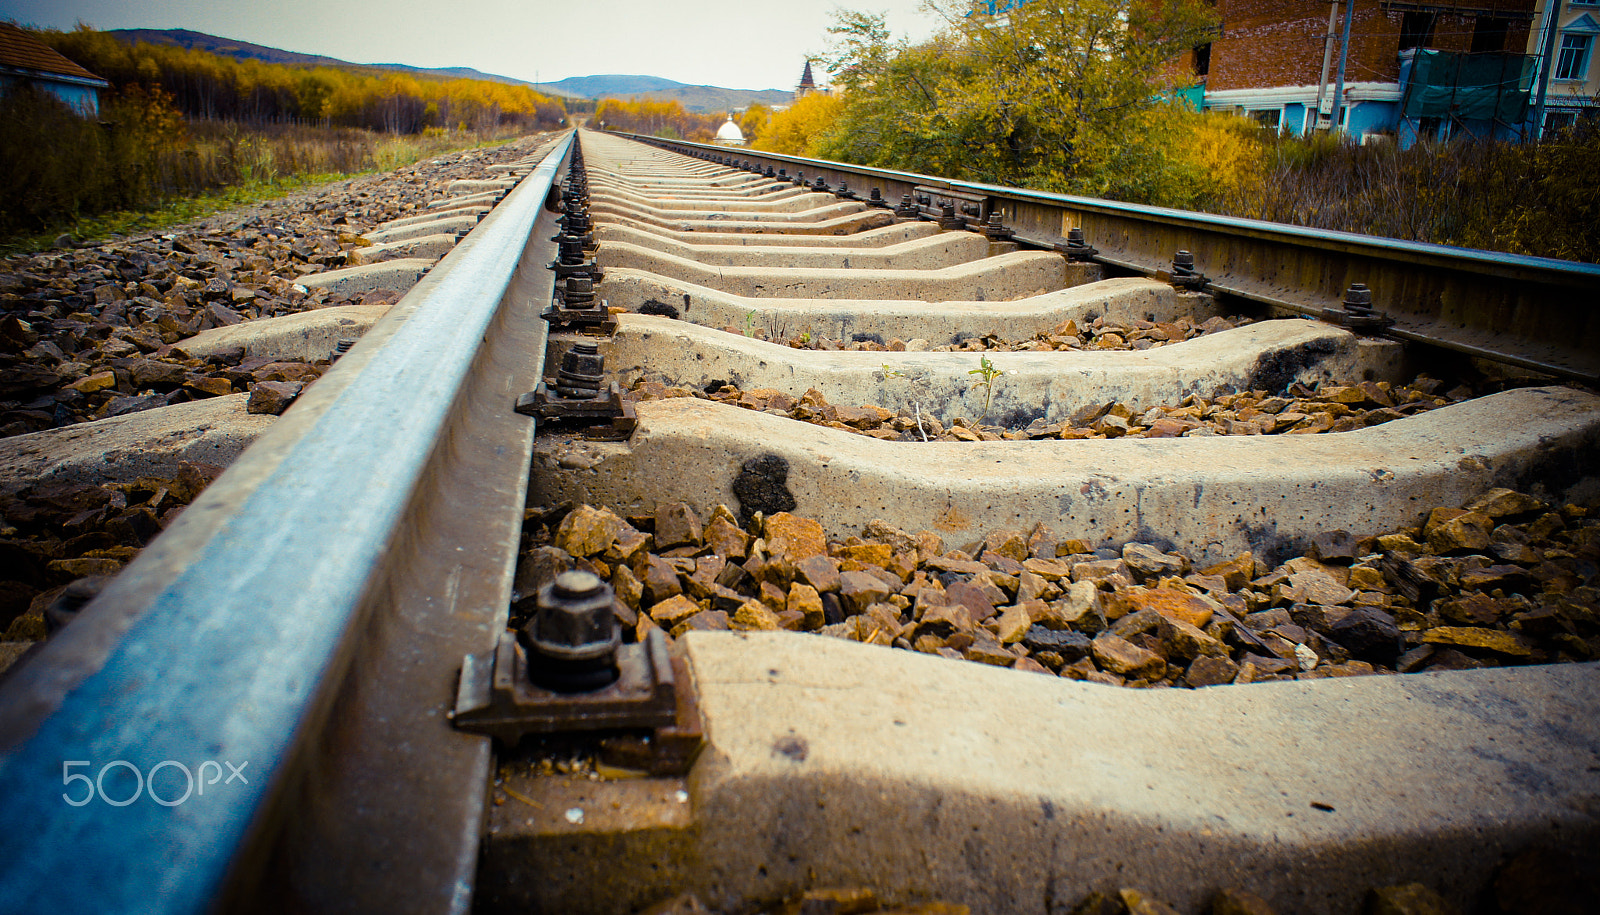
{"x": 656, "y": 118}
{"x": 211, "y": 86}
{"x": 180, "y": 123}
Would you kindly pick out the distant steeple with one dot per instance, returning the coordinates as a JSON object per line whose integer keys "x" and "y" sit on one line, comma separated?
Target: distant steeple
{"x": 807, "y": 84}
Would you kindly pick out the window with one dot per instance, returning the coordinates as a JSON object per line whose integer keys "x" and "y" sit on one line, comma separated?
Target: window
{"x": 1559, "y": 120}
{"x": 1416, "y": 30}
{"x": 1202, "y": 59}
{"x": 1268, "y": 118}
{"x": 1574, "y": 60}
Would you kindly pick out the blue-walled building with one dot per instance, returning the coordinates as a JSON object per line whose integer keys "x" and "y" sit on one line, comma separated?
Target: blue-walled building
{"x": 25, "y": 60}
{"x": 1411, "y": 68}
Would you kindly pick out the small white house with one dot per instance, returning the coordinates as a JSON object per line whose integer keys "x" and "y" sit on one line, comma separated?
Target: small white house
{"x": 25, "y": 60}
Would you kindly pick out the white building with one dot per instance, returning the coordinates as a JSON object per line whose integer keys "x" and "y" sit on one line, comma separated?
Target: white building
{"x": 1569, "y": 80}
{"x": 729, "y": 134}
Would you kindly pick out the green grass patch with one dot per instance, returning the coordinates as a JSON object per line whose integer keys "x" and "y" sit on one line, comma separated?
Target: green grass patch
{"x": 98, "y": 228}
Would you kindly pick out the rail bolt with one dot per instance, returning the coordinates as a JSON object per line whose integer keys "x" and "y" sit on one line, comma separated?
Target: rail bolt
{"x": 571, "y": 248}
{"x": 582, "y": 372}
{"x": 573, "y": 636}
{"x": 1077, "y": 247}
{"x": 1358, "y": 314}
{"x": 1184, "y": 275}
{"x": 579, "y": 292}
{"x": 994, "y": 229}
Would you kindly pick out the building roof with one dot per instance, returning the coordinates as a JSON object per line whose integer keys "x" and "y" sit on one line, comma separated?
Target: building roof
{"x": 21, "y": 50}
{"x": 730, "y": 131}
{"x": 806, "y": 82}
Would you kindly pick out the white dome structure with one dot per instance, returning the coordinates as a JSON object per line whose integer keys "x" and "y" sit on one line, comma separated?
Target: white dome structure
{"x": 729, "y": 134}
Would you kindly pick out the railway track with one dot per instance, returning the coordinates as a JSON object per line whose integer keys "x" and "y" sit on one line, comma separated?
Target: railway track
{"x": 327, "y": 621}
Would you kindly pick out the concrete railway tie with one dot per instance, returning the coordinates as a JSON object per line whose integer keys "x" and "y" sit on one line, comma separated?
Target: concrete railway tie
{"x": 1047, "y": 386}
{"x": 850, "y": 764}
{"x": 358, "y": 600}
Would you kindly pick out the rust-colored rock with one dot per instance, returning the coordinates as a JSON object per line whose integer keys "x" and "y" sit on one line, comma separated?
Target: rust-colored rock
{"x": 804, "y": 599}
{"x": 1120, "y": 656}
{"x": 272, "y": 397}
{"x": 1177, "y": 605}
{"x": 1494, "y": 640}
{"x": 676, "y": 525}
{"x": 753, "y": 615}
{"x": 587, "y": 530}
{"x": 791, "y": 539}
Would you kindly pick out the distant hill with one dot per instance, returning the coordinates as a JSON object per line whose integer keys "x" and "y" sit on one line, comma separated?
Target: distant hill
{"x": 231, "y": 47}
{"x": 184, "y": 38}
{"x": 694, "y": 98}
{"x": 615, "y": 85}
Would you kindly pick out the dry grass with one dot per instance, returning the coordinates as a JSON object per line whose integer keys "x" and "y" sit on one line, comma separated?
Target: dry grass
{"x": 58, "y": 170}
{"x": 1530, "y": 198}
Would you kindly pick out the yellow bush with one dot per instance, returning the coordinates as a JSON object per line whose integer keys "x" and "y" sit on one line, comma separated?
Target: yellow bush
{"x": 795, "y": 130}
{"x": 1225, "y": 150}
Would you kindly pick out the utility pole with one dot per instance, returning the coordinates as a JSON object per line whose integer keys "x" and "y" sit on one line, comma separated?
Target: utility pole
{"x": 1344, "y": 55}
{"x": 1552, "y": 13}
{"x": 1327, "y": 59}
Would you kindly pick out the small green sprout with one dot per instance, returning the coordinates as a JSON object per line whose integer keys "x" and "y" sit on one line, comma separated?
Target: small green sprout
{"x": 990, "y": 373}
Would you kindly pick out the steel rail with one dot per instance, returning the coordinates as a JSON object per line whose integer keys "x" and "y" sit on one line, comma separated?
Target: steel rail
{"x": 1537, "y": 313}
{"x": 302, "y": 621}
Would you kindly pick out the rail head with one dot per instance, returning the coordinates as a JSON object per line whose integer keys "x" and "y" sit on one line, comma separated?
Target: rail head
{"x": 212, "y": 661}
{"x": 1575, "y": 273}
{"x": 1535, "y": 312}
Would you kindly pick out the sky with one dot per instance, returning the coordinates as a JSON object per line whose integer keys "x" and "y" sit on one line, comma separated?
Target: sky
{"x": 736, "y": 44}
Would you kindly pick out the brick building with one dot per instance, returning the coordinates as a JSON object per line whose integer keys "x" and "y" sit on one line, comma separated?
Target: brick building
{"x": 1412, "y": 67}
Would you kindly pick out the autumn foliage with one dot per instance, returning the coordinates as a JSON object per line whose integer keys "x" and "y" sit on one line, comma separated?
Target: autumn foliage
{"x": 179, "y": 123}
{"x": 656, "y": 118}
{"x": 797, "y": 129}
{"x": 1077, "y": 96}
{"x": 214, "y": 87}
